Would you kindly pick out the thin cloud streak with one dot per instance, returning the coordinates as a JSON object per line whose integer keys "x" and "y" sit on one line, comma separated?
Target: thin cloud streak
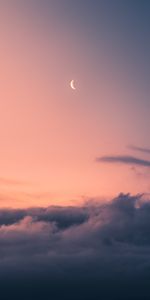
{"x": 123, "y": 159}
{"x": 139, "y": 149}
{"x": 9, "y": 181}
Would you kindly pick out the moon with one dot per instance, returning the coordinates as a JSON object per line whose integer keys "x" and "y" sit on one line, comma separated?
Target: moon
{"x": 72, "y": 84}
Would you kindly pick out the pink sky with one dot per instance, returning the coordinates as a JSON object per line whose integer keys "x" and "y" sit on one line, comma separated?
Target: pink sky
{"x": 50, "y": 135}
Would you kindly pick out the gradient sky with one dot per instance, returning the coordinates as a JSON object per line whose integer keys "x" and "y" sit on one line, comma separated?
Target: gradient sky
{"x": 56, "y": 143}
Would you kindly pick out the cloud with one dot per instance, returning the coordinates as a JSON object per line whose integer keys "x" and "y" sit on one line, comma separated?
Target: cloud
{"x": 124, "y": 159}
{"x": 97, "y": 250}
{"x": 141, "y": 173}
{"x": 139, "y": 149}
{"x": 12, "y": 182}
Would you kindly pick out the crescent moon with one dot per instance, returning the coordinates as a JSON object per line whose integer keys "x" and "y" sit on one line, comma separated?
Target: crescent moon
{"x": 72, "y": 84}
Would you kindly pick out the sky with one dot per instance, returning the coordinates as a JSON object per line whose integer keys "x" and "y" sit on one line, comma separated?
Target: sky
{"x": 58, "y": 145}
{"x": 74, "y": 163}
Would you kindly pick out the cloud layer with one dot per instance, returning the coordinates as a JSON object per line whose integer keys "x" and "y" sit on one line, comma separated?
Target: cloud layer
{"x": 89, "y": 252}
{"x": 139, "y": 149}
{"x": 124, "y": 159}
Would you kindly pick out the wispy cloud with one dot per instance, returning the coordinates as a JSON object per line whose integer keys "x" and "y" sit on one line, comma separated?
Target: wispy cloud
{"x": 124, "y": 159}
{"x": 139, "y": 149}
{"x": 9, "y": 181}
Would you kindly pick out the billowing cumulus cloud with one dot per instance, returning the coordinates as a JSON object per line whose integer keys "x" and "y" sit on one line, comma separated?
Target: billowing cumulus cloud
{"x": 89, "y": 252}
{"x": 124, "y": 159}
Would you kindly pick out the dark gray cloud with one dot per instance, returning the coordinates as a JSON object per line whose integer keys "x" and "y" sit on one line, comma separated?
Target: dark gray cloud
{"x": 99, "y": 250}
{"x": 124, "y": 159}
{"x": 139, "y": 149}
{"x": 63, "y": 216}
